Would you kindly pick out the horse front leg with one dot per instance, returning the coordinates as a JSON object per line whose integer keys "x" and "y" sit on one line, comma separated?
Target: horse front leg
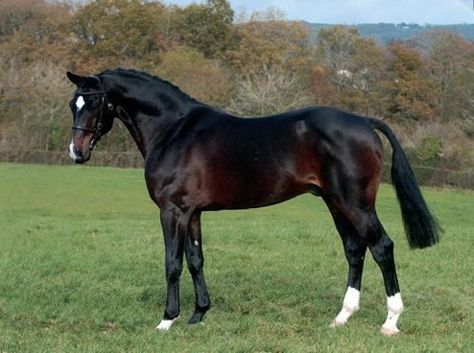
{"x": 174, "y": 225}
{"x": 195, "y": 260}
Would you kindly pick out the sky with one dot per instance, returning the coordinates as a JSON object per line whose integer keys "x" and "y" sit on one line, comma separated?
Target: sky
{"x": 362, "y": 11}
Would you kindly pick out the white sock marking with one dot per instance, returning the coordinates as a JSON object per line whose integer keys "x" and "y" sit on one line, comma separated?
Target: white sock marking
{"x": 349, "y": 306}
{"x": 80, "y": 102}
{"x": 165, "y": 325}
{"x": 71, "y": 151}
{"x": 395, "y": 308}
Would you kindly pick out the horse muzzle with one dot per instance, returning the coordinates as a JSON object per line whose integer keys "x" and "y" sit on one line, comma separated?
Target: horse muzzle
{"x": 77, "y": 155}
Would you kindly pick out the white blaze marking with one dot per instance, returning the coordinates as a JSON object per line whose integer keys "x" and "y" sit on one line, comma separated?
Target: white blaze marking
{"x": 196, "y": 243}
{"x": 71, "y": 151}
{"x": 80, "y": 102}
{"x": 395, "y": 308}
{"x": 165, "y": 325}
{"x": 349, "y": 306}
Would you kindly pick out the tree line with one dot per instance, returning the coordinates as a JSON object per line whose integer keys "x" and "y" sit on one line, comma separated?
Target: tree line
{"x": 248, "y": 64}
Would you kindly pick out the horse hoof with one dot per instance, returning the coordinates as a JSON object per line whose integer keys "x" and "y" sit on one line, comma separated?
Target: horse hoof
{"x": 195, "y": 319}
{"x": 336, "y": 323}
{"x": 165, "y": 325}
{"x": 198, "y": 315}
{"x": 389, "y": 331}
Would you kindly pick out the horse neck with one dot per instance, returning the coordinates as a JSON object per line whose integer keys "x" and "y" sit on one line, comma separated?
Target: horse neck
{"x": 149, "y": 117}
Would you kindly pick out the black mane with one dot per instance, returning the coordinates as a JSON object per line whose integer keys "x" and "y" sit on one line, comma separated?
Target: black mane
{"x": 145, "y": 76}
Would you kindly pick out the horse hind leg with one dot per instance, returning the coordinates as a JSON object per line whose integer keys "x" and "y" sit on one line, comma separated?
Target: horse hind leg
{"x": 354, "y": 249}
{"x": 350, "y": 186}
{"x": 382, "y": 249}
{"x": 381, "y": 246}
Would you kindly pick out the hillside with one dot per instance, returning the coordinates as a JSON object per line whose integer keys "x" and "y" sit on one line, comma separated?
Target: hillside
{"x": 386, "y": 32}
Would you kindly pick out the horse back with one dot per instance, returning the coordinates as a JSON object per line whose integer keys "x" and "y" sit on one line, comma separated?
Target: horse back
{"x": 223, "y": 162}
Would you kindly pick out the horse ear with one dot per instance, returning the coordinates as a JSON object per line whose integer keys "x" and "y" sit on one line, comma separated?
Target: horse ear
{"x": 83, "y": 81}
{"x": 76, "y": 79}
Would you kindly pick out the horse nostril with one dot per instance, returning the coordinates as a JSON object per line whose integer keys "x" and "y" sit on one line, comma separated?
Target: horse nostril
{"x": 77, "y": 152}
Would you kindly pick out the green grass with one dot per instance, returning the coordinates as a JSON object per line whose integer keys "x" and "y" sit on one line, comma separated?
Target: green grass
{"x": 81, "y": 270}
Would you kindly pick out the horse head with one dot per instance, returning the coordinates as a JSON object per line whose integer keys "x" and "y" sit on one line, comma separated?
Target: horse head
{"x": 92, "y": 118}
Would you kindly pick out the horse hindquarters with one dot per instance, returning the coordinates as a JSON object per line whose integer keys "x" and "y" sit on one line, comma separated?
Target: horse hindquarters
{"x": 350, "y": 182}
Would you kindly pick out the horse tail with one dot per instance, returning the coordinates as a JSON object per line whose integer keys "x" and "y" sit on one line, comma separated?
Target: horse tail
{"x": 421, "y": 227}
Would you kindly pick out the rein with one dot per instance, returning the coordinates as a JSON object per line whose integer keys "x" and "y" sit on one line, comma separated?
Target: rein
{"x": 98, "y": 127}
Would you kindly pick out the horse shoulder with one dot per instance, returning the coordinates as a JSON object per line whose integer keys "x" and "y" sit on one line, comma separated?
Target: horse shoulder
{"x": 174, "y": 167}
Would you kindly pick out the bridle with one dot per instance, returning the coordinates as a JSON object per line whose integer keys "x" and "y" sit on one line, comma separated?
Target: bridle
{"x": 96, "y": 130}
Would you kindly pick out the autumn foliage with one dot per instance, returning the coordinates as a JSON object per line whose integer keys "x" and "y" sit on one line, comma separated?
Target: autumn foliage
{"x": 249, "y": 64}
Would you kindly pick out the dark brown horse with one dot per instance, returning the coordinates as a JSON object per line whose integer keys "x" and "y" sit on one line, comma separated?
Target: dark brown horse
{"x": 198, "y": 158}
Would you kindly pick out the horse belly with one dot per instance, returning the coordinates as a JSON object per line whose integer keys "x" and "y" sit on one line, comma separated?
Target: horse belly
{"x": 260, "y": 183}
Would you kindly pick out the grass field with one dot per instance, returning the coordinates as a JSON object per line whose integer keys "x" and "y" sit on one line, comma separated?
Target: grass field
{"x": 81, "y": 270}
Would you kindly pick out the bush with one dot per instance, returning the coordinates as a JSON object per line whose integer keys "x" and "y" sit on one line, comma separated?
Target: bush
{"x": 430, "y": 150}
{"x": 35, "y": 115}
{"x": 201, "y": 78}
